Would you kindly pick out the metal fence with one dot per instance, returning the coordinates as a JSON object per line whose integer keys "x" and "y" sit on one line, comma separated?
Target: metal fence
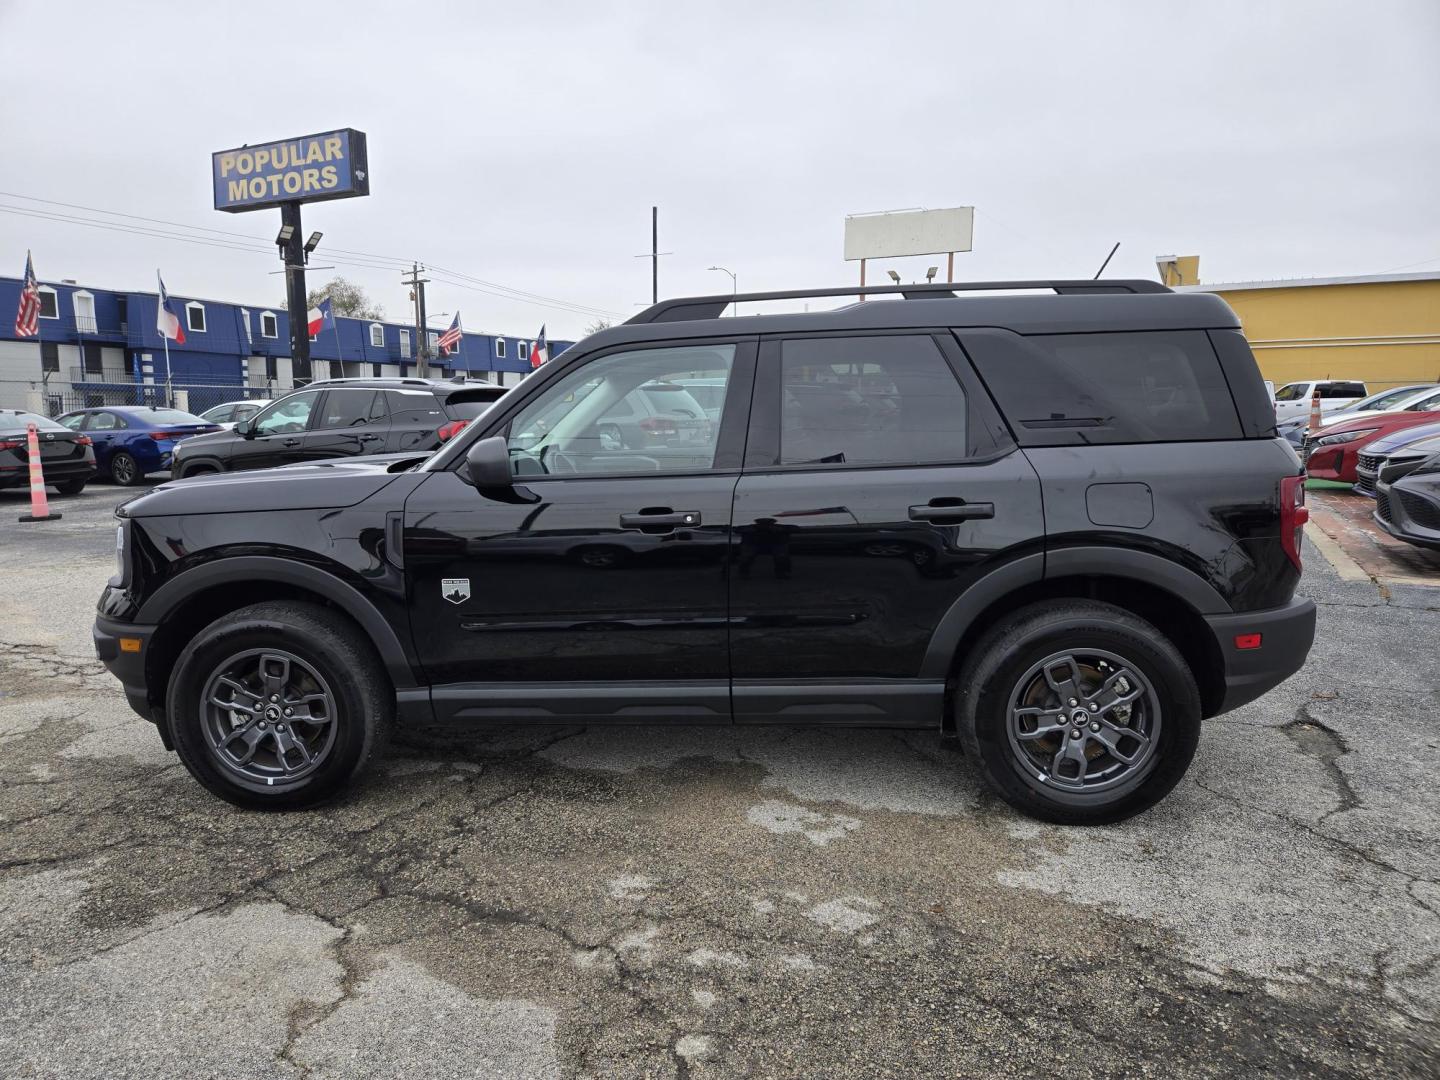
{"x": 57, "y": 395}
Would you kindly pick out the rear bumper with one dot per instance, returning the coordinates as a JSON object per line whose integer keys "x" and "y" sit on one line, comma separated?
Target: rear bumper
{"x": 56, "y": 472}
{"x": 1286, "y": 634}
{"x": 127, "y": 666}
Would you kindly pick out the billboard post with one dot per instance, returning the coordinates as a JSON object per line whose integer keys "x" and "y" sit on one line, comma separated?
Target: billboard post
{"x": 312, "y": 168}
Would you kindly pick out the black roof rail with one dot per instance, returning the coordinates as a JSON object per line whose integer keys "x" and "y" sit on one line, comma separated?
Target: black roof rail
{"x": 683, "y": 308}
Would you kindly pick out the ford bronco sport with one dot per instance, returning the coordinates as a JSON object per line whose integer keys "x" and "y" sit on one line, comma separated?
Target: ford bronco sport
{"x": 1057, "y": 527}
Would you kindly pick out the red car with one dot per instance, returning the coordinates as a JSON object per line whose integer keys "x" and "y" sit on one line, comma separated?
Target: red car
{"x": 1335, "y": 454}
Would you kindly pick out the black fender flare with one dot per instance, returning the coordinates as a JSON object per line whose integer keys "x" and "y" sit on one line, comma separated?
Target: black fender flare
{"x": 994, "y": 586}
{"x": 241, "y": 568}
{"x": 1143, "y": 566}
{"x": 215, "y": 462}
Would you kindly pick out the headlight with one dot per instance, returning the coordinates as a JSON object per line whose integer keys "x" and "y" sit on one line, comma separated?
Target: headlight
{"x": 1429, "y": 465}
{"x": 122, "y": 553}
{"x": 1344, "y": 437}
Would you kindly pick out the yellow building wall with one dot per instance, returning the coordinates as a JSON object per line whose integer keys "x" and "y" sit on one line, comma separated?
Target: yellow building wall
{"x": 1384, "y": 333}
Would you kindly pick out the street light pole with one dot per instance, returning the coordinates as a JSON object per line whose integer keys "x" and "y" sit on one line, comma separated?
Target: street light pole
{"x": 734, "y": 288}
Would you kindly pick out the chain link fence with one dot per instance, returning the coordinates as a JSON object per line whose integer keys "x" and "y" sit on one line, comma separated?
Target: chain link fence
{"x": 57, "y": 395}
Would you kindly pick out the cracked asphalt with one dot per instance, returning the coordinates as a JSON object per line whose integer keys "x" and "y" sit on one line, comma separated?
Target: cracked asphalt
{"x": 713, "y": 903}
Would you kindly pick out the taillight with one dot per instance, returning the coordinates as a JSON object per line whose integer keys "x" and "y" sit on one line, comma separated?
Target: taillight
{"x": 450, "y": 430}
{"x": 161, "y": 436}
{"x": 85, "y": 440}
{"x": 1293, "y": 516}
{"x": 11, "y": 444}
{"x": 658, "y": 425}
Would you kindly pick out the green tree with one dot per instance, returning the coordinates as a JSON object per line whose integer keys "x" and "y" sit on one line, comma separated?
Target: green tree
{"x": 346, "y": 298}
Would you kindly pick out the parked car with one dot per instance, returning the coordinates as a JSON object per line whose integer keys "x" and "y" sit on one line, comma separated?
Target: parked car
{"x": 67, "y": 458}
{"x": 229, "y": 413}
{"x": 656, "y": 415}
{"x": 1058, "y": 529}
{"x": 1395, "y": 455}
{"x": 1335, "y": 454}
{"x": 1293, "y": 399}
{"x": 1409, "y": 508}
{"x": 132, "y": 441}
{"x": 1398, "y": 397}
{"x": 342, "y": 418}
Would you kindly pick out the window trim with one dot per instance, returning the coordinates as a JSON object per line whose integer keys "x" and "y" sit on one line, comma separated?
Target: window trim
{"x": 192, "y": 306}
{"x": 522, "y": 350}
{"x": 405, "y": 344}
{"x": 374, "y": 326}
{"x": 43, "y": 291}
{"x": 499, "y": 348}
{"x": 274, "y": 320}
{"x": 245, "y": 323}
{"x": 729, "y": 441}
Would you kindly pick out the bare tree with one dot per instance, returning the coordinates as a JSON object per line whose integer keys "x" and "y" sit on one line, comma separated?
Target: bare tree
{"x": 598, "y": 325}
{"x": 346, "y": 298}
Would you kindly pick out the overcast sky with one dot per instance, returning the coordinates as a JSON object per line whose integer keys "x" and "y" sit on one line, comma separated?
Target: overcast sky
{"x": 524, "y": 143}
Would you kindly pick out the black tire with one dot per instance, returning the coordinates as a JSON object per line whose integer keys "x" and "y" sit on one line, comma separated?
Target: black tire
{"x": 362, "y": 706}
{"x": 71, "y": 487}
{"x": 124, "y": 469}
{"x": 198, "y": 469}
{"x": 1002, "y": 666}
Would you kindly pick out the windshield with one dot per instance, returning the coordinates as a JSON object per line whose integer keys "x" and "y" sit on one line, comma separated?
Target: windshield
{"x": 1386, "y": 398}
{"x": 16, "y": 421}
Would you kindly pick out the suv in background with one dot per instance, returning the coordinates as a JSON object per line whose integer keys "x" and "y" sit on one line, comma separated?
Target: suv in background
{"x": 1059, "y": 529}
{"x": 1293, "y": 399}
{"x": 341, "y": 418}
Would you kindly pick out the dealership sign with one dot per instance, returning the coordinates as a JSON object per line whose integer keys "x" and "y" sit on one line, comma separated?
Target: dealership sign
{"x": 331, "y": 165}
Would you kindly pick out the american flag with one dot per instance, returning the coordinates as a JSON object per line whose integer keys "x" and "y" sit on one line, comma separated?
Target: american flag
{"x": 27, "y": 319}
{"x": 450, "y": 340}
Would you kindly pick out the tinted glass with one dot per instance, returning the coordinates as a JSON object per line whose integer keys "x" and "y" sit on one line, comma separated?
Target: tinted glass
{"x": 242, "y": 412}
{"x": 287, "y": 415}
{"x": 467, "y": 406}
{"x": 1061, "y": 389}
{"x": 599, "y": 419}
{"x": 346, "y": 408}
{"x": 414, "y": 408}
{"x": 869, "y": 401}
{"x": 221, "y": 414}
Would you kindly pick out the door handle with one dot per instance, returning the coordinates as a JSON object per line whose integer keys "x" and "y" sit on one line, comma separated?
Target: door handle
{"x": 660, "y": 518}
{"x": 950, "y": 511}
{"x": 290, "y": 442}
{"x": 368, "y": 438}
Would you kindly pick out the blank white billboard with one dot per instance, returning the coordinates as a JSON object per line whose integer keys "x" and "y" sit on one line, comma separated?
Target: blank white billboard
{"x": 908, "y": 232}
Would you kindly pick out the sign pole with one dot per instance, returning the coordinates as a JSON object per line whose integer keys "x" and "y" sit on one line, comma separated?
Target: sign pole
{"x": 295, "y": 294}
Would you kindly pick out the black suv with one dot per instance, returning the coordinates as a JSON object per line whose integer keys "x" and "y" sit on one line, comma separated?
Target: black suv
{"x": 341, "y": 418}
{"x": 1058, "y": 528}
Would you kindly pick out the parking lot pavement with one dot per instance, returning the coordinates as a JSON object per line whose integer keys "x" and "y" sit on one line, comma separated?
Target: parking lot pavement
{"x": 713, "y": 902}
{"x": 1343, "y": 521}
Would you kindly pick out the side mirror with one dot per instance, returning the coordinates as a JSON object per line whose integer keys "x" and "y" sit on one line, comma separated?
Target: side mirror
{"x": 245, "y": 428}
{"x": 488, "y": 464}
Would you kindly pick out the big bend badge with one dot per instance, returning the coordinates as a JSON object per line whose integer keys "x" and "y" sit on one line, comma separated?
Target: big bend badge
{"x": 455, "y": 589}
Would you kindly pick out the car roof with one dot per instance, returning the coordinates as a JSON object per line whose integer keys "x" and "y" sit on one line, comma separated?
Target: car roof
{"x": 440, "y": 387}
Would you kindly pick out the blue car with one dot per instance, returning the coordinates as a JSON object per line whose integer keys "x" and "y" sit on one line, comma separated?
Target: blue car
{"x": 133, "y": 440}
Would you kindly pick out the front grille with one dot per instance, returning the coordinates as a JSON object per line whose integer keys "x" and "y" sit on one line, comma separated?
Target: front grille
{"x": 1371, "y": 462}
{"x": 1365, "y": 481}
{"x": 1382, "y": 506}
{"x": 1420, "y": 510}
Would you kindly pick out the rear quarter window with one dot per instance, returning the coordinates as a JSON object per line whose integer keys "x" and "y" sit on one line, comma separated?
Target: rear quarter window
{"x": 1077, "y": 389}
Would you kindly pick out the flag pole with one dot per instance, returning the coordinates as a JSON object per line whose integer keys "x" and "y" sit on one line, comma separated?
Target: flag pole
{"x": 169, "y": 398}
{"x": 335, "y": 329}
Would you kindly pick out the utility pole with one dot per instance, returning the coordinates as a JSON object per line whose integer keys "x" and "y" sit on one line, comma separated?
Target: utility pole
{"x": 292, "y": 251}
{"x": 654, "y": 254}
{"x": 422, "y": 338}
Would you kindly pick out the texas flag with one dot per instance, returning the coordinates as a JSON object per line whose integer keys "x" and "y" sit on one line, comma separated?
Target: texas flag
{"x": 539, "y": 349}
{"x": 167, "y": 323}
{"x": 321, "y": 317}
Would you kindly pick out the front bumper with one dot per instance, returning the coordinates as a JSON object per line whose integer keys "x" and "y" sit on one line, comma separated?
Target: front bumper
{"x": 127, "y": 663}
{"x": 1407, "y": 515}
{"x": 1286, "y": 634}
{"x": 1332, "y": 462}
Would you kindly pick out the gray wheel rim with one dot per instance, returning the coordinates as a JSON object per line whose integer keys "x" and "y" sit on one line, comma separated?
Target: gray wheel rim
{"x": 1083, "y": 721}
{"x": 269, "y": 717}
{"x": 122, "y": 468}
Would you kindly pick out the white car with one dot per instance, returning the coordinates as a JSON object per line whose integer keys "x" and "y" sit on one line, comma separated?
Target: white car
{"x": 229, "y": 413}
{"x": 1397, "y": 397}
{"x": 1293, "y": 399}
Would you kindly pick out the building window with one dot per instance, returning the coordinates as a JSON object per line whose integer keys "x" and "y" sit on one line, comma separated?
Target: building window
{"x": 404, "y": 343}
{"x": 122, "y": 311}
{"x": 245, "y": 323}
{"x": 271, "y": 367}
{"x": 195, "y": 317}
{"x": 84, "y": 311}
{"x": 269, "y": 325}
{"x": 49, "y": 357}
{"x": 434, "y": 340}
{"x": 522, "y": 350}
{"x": 377, "y": 335}
{"x": 375, "y": 371}
{"x": 500, "y": 348}
{"x": 49, "y": 303}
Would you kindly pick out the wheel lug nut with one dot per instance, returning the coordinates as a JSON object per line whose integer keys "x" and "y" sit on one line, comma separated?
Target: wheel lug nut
{"x": 263, "y": 725}
{"x": 1094, "y": 707}
{"x": 1073, "y": 701}
{"x": 289, "y": 712}
{"x": 1095, "y": 727}
{"x": 274, "y": 697}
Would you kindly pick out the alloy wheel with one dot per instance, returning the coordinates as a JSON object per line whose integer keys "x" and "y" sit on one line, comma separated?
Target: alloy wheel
{"x": 269, "y": 717}
{"x": 122, "y": 469}
{"x": 1083, "y": 721}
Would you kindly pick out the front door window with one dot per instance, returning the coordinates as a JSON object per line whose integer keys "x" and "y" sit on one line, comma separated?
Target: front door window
{"x": 288, "y": 416}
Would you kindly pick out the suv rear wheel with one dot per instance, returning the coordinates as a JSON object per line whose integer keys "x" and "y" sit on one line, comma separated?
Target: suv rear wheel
{"x": 278, "y": 705}
{"x": 1078, "y": 712}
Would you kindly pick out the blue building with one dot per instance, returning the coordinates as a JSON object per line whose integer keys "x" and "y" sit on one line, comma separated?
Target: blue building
{"x": 100, "y": 346}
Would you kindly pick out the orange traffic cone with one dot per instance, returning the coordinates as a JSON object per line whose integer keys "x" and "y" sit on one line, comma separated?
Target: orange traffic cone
{"x": 1315, "y": 414}
{"x": 39, "y": 505}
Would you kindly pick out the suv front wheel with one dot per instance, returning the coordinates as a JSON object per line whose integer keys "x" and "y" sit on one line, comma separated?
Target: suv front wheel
{"x": 278, "y": 705}
{"x": 1078, "y": 712}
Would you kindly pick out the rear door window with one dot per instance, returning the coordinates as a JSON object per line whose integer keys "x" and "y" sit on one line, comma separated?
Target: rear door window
{"x": 346, "y": 409}
{"x": 1074, "y": 389}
